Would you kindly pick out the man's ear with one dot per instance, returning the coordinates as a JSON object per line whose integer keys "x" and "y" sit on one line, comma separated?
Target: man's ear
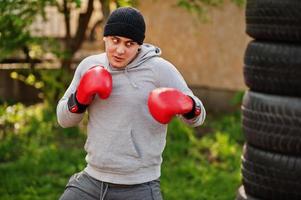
{"x": 104, "y": 39}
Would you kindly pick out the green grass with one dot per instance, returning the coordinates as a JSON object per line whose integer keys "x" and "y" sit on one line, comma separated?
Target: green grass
{"x": 203, "y": 168}
{"x": 37, "y": 157}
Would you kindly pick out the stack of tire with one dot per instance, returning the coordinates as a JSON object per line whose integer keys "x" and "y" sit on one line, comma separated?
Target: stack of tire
{"x": 271, "y": 108}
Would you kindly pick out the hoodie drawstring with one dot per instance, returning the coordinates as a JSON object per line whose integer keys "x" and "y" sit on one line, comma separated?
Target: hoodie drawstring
{"x": 103, "y": 193}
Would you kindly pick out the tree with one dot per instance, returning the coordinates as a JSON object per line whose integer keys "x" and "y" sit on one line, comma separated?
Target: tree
{"x": 15, "y": 19}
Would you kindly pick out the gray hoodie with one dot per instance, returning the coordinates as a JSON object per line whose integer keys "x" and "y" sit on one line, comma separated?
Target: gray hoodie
{"x": 124, "y": 142}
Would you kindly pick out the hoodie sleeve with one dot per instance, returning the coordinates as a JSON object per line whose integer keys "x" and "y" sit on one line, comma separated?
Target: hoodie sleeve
{"x": 64, "y": 116}
{"x": 168, "y": 76}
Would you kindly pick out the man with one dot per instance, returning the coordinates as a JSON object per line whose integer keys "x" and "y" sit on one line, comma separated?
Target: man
{"x": 131, "y": 93}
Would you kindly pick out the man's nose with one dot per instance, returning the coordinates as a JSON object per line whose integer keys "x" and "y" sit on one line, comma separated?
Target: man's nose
{"x": 120, "y": 49}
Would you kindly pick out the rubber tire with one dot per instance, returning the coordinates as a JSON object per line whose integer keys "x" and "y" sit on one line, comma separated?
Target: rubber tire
{"x": 241, "y": 195}
{"x": 269, "y": 175}
{"x": 273, "y": 68}
{"x": 274, "y": 19}
{"x": 272, "y": 122}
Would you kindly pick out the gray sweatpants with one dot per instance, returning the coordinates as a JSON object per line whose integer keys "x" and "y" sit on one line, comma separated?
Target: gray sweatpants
{"x": 81, "y": 186}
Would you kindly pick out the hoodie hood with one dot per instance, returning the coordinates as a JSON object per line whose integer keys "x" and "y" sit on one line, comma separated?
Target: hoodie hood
{"x": 146, "y": 52}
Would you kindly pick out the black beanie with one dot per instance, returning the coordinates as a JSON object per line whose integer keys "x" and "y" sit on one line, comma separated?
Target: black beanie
{"x": 126, "y": 22}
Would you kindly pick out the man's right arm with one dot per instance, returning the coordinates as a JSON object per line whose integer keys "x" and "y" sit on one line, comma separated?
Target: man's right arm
{"x": 88, "y": 82}
{"x": 64, "y": 116}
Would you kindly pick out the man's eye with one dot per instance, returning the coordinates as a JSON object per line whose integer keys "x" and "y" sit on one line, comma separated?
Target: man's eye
{"x": 129, "y": 44}
{"x": 115, "y": 40}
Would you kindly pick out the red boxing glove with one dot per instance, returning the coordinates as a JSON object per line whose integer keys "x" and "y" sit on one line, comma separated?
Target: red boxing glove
{"x": 97, "y": 80}
{"x": 164, "y": 103}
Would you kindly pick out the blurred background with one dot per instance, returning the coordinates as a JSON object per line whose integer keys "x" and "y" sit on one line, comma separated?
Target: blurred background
{"x": 41, "y": 43}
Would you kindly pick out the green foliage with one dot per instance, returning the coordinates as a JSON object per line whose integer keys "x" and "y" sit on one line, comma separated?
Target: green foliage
{"x": 38, "y": 157}
{"x": 15, "y": 20}
{"x": 55, "y": 83}
{"x": 237, "y": 99}
{"x": 206, "y": 168}
{"x": 239, "y": 2}
{"x": 121, "y": 3}
{"x": 50, "y": 82}
{"x": 200, "y": 7}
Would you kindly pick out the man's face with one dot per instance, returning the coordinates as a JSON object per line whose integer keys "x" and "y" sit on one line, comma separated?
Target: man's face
{"x": 120, "y": 50}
